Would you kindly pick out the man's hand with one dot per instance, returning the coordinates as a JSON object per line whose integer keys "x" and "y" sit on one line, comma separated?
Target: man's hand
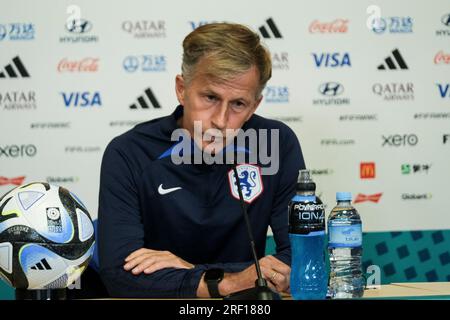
{"x": 276, "y": 273}
{"x": 149, "y": 261}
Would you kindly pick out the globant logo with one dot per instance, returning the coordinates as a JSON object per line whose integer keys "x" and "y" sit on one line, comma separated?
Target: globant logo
{"x": 145, "y": 29}
{"x": 416, "y": 196}
{"x": 61, "y": 180}
{"x": 145, "y": 63}
{"x": 276, "y": 94}
{"x": 335, "y": 26}
{"x": 17, "y": 31}
{"x": 321, "y": 172}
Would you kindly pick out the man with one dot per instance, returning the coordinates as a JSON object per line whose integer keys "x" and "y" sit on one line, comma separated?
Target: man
{"x": 163, "y": 226}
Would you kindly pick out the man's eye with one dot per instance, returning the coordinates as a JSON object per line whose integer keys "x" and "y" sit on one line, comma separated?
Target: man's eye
{"x": 211, "y": 98}
{"x": 238, "y": 105}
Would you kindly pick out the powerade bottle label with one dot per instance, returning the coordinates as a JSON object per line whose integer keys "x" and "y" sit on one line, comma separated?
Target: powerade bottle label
{"x": 306, "y": 216}
{"x": 349, "y": 236}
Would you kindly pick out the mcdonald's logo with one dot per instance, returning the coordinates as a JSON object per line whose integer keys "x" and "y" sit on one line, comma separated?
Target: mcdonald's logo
{"x": 367, "y": 170}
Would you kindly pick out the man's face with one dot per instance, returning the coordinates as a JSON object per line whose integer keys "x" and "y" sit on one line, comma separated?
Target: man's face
{"x": 217, "y": 105}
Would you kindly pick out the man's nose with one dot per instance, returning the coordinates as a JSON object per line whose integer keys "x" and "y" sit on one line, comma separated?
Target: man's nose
{"x": 220, "y": 117}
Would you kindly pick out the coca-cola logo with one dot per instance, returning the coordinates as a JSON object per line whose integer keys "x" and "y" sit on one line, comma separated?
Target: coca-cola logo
{"x": 336, "y": 26}
{"x": 84, "y": 65}
{"x": 442, "y": 58}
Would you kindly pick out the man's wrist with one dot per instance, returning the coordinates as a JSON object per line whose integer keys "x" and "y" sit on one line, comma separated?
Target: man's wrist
{"x": 228, "y": 284}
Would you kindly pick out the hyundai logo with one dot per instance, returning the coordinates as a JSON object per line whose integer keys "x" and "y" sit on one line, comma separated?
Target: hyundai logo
{"x": 78, "y": 26}
{"x": 331, "y": 89}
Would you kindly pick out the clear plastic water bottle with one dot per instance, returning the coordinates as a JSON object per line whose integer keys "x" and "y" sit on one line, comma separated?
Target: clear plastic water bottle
{"x": 345, "y": 249}
{"x": 309, "y": 277}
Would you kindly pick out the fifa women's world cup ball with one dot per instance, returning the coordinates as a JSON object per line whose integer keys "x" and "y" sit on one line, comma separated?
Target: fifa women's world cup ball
{"x": 46, "y": 237}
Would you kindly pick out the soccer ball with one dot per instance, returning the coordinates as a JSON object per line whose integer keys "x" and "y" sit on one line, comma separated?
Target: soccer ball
{"x": 46, "y": 237}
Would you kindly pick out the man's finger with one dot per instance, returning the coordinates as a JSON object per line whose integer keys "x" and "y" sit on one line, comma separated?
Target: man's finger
{"x": 135, "y": 261}
{"x": 138, "y": 259}
{"x": 278, "y": 265}
{"x": 158, "y": 265}
{"x": 145, "y": 264}
{"x": 136, "y": 253}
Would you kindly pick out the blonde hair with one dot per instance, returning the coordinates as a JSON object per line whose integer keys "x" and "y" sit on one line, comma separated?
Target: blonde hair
{"x": 230, "y": 50}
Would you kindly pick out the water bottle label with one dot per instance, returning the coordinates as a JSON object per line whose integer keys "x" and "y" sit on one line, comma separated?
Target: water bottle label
{"x": 306, "y": 215}
{"x": 345, "y": 236}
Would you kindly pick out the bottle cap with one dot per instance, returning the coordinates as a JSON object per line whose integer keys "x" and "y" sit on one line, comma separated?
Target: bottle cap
{"x": 304, "y": 182}
{"x": 343, "y": 196}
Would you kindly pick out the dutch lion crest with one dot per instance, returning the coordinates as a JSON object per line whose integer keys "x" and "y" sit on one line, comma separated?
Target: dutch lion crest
{"x": 250, "y": 179}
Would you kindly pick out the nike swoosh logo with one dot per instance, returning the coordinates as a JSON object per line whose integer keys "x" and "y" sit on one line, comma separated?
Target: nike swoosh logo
{"x": 163, "y": 191}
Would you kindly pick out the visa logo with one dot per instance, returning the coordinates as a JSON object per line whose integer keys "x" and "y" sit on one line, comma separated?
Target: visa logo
{"x": 332, "y": 60}
{"x": 82, "y": 99}
{"x": 444, "y": 90}
{"x": 195, "y": 25}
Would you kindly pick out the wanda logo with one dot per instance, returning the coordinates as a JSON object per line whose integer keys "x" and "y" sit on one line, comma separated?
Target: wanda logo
{"x": 83, "y": 65}
{"x": 442, "y": 58}
{"x": 336, "y": 26}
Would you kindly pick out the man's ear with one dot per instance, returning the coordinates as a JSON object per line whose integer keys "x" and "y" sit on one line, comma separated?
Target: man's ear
{"x": 180, "y": 88}
{"x": 255, "y": 107}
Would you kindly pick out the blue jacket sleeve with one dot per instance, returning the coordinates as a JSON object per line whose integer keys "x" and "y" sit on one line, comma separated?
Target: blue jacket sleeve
{"x": 120, "y": 232}
{"x": 291, "y": 161}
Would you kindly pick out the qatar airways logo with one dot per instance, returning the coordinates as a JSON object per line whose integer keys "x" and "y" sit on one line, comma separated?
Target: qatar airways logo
{"x": 310, "y": 207}
{"x": 84, "y": 65}
{"x": 228, "y": 146}
{"x": 442, "y": 58}
{"x": 335, "y": 26}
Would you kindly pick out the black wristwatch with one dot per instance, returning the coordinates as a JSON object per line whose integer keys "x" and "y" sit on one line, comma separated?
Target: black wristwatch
{"x": 212, "y": 279}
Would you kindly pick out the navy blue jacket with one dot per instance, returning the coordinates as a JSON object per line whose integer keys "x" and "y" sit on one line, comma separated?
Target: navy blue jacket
{"x": 201, "y": 222}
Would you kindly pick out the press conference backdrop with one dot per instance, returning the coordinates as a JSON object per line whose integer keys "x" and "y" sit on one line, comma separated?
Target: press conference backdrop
{"x": 365, "y": 85}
